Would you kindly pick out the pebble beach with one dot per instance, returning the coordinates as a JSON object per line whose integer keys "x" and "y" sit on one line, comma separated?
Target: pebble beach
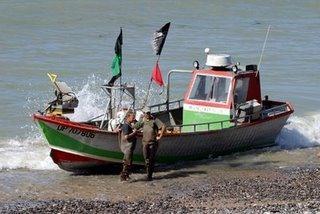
{"x": 271, "y": 182}
{"x": 76, "y": 39}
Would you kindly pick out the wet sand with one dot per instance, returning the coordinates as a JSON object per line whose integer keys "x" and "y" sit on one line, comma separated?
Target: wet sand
{"x": 253, "y": 182}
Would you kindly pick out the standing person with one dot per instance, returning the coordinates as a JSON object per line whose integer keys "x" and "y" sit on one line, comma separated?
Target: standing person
{"x": 153, "y": 130}
{"x": 127, "y": 144}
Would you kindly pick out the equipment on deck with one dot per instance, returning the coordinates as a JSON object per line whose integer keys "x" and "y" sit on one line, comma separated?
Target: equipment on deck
{"x": 65, "y": 102}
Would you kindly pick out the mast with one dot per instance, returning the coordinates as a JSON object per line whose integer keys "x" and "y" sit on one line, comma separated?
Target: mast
{"x": 263, "y": 48}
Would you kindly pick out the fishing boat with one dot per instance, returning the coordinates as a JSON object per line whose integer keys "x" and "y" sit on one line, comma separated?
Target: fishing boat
{"x": 222, "y": 111}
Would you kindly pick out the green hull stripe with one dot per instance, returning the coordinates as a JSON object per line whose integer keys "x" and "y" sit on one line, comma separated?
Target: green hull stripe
{"x": 193, "y": 117}
{"x": 57, "y": 139}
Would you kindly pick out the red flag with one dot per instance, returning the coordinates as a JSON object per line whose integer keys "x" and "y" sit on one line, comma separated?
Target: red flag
{"x": 156, "y": 75}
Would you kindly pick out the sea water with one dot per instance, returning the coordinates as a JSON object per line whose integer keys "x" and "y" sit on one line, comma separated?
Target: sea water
{"x": 75, "y": 39}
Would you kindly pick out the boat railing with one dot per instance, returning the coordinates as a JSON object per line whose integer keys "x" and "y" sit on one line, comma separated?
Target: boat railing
{"x": 170, "y": 73}
{"x": 167, "y": 106}
{"x": 207, "y": 126}
{"x": 274, "y": 110}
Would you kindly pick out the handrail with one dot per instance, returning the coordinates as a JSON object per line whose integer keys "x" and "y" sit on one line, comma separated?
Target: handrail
{"x": 263, "y": 114}
{"x": 129, "y": 90}
{"x": 168, "y": 80}
{"x": 180, "y": 102}
{"x": 274, "y": 109}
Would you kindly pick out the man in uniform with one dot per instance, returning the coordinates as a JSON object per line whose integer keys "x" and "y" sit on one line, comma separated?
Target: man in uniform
{"x": 153, "y": 130}
{"x": 127, "y": 144}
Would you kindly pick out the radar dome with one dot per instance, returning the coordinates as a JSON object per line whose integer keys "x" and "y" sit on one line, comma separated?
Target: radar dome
{"x": 218, "y": 60}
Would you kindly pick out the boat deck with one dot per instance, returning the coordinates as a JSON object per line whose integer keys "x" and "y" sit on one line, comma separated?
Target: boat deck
{"x": 171, "y": 115}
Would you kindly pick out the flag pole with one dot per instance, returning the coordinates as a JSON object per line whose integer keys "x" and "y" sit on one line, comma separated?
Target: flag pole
{"x": 121, "y": 93}
{"x": 149, "y": 86}
{"x": 120, "y": 81}
{"x": 147, "y": 95}
{"x": 159, "y": 38}
{"x": 163, "y": 84}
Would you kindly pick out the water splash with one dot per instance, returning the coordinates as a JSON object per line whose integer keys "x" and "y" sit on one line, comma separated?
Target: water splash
{"x": 29, "y": 153}
{"x": 92, "y": 101}
{"x": 301, "y": 132}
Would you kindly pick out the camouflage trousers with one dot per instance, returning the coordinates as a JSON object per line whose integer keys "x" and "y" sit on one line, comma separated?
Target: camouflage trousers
{"x": 149, "y": 154}
{"x": 127, "y": 149}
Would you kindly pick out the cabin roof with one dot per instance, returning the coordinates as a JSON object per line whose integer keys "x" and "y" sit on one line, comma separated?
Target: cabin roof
{"x": 223, "y": 73}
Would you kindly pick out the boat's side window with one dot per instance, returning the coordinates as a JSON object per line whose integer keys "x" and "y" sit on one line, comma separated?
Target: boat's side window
{"x": 240, "y": 93}
{"x": 210, "y": 88}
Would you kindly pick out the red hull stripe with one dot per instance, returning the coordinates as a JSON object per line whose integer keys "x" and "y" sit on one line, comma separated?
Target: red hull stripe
{"x": 61, "y": 121}
{"x": 60, "y": 157}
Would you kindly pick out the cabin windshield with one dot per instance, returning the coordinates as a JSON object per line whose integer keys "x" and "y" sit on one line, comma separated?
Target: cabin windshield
{"x": 210, "y": 88}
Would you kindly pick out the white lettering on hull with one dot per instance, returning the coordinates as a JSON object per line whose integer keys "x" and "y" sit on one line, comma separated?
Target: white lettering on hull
{"x": 207, "y": 109}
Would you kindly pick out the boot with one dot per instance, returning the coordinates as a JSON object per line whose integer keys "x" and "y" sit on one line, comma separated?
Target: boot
{"x": 149, "y": 171}
{"x": 124, "y": 175}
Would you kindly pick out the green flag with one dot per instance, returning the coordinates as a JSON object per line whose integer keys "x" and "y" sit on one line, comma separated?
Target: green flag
{"x": 116, "y": 62}
{"x": 116, "y": 65}
{"x": 117, "y": 59}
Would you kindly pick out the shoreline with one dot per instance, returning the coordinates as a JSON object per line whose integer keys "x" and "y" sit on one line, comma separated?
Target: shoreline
{"x": 277, "y": 181}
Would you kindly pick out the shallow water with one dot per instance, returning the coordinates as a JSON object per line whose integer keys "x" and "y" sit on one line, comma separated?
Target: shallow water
{"x": 28, "y": 185}
{"x": 76, "y": 41}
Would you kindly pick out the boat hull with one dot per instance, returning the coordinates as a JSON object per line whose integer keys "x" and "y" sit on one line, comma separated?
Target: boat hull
{"x": 78, "y": 163}
{"x": 77, "y": 146}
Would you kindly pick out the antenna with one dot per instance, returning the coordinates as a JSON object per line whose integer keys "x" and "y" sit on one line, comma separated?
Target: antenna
{"x": 263, "y": 47}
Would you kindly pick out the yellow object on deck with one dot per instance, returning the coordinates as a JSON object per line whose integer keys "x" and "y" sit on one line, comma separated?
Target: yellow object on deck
{"x": 52, "y": 77}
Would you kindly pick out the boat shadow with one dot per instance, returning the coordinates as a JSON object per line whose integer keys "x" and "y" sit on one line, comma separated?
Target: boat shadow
{"x": 114, "y": 169}
{"x": 232, "y": 160}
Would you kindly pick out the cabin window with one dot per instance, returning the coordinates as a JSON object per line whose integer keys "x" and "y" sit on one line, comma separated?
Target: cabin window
{"x": 210, "y": 88}
{"x": 240, "y": 93}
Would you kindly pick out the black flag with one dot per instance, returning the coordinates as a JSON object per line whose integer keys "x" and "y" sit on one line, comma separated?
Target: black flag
{"x": 118, "y": 45}
{"x": 159, "y": 38}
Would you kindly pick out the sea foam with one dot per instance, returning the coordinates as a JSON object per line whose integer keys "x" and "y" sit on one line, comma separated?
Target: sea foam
{"x": 300, "y": 132}
{"x": 29, "y": 153}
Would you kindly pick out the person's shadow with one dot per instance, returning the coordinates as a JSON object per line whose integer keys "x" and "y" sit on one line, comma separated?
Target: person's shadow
{"x": 180, "y": 174}
{"x": 175, "y": 174}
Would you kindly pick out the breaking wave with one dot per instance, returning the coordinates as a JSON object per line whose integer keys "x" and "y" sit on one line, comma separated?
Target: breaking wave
{"x": 300, "y": 132}
{"x": 29, "y": 153}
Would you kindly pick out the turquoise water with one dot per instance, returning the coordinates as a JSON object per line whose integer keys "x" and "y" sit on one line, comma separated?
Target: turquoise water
{"x": 75, "y": 39}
